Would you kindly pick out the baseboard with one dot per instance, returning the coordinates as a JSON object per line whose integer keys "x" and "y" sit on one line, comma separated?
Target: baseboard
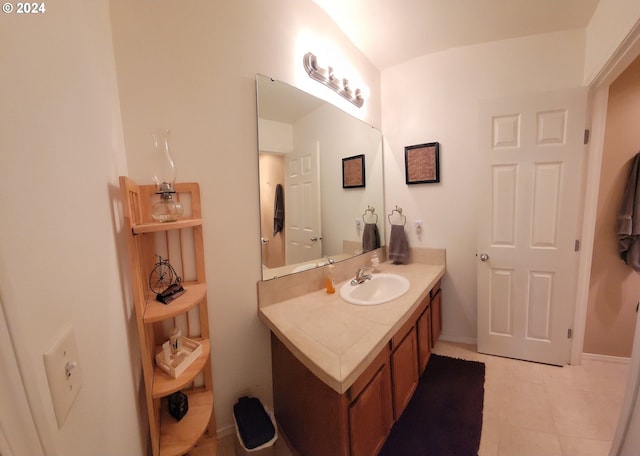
{"x": 226, "y": 431}
{"x": 459, "y": 339}
{"x": 607, "y": 358}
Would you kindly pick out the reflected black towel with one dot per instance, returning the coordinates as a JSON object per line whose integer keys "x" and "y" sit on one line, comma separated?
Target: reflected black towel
{"x": 628, "y": 222}
{"x": 370, "y": 237}
{"x": 278, "y": 210}
{"x": 398, "y": 245}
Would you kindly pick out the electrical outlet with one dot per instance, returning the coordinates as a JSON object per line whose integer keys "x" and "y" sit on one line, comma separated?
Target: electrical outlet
{"x": 63, "y": 374}
{"x": 418, "y": 226}
{"x": 358, "y": 224}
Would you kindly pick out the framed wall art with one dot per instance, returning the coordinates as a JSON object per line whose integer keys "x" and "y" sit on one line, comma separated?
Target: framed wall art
{"x": 353, "y": 172}
{"x": 422, "y": 163}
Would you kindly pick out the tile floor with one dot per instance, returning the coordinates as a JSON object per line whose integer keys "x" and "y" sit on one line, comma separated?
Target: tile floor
{"x": 537, "y": 410}
{"x": 534, "y": 409}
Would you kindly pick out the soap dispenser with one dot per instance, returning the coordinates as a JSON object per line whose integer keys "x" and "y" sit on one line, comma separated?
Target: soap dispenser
{"x": 331, "y": 288}
{"x": 375, "y": 261}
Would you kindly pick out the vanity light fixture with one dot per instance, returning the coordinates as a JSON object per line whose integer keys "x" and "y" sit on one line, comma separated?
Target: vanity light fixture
{"x": 327, "y": 77}
{"x": 167, "y": 209}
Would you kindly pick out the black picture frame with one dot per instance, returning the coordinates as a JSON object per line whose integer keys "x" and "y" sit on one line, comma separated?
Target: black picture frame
{"x": 353, "y": 172}
{"x": 422, "y": 163}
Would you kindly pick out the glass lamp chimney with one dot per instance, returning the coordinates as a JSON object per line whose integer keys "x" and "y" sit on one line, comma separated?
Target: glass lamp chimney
{"x": 167, "y": 209}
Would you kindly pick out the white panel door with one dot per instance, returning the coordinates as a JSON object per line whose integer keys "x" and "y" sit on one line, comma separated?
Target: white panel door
{"x": 18, "y": 434}
{"x": 302, "y": 205}
{"x": 529, "y": 224}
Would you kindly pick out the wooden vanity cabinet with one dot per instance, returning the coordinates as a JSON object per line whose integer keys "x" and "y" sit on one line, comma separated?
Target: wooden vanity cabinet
{"x": 318, "y": 421}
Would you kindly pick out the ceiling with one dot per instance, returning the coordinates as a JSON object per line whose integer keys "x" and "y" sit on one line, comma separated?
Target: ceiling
{"x": 390, "y": 32}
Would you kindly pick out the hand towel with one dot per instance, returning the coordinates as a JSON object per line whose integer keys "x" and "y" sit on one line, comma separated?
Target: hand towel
{"x": 628, "y": 222}
{"x": 278, "y": 210}
{"x": 398, "y": 245}
{"x": 370, "y": 237}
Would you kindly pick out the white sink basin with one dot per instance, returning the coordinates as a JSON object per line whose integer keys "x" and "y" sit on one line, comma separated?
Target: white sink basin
{"x": 379, "y": 289}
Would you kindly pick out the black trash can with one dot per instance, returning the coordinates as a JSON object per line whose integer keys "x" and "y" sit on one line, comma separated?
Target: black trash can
{"x": 256, "y": 429}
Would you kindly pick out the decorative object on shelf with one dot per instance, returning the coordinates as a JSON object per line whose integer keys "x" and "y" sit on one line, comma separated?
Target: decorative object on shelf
{"x": 353, "y": 172}
{"x": 422, "y": 163}
{"x": 176, "y": 340}
{"x": 178, "y": 405}
{"x": 167, "y": 209}
{"x": 327, "y": 77}
{"x": 178, "y": 361}
{"x": 165, "y": 282}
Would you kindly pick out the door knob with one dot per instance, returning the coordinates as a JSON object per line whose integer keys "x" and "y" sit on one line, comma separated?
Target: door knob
{"x": 314, "y": 239}
{"x": 484, "y": 257}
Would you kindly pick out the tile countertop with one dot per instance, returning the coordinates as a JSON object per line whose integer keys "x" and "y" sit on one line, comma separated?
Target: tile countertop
{"x": 336, "y": 340}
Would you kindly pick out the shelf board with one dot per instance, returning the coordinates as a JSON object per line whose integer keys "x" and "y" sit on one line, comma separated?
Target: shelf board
{"x": 167, "y": 226}
{"x": 178, "y": 437}
{"x": 207, "y": 446}
{"x": 156, "y": 311}
{"x": 164, "y": 384}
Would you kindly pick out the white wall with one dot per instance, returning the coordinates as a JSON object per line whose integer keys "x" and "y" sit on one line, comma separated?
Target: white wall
{"x": 60, "y": 250}
{"x": 435, "y": 98}
{"x": 190, "y": 67}
{"x": 609, "y": 27}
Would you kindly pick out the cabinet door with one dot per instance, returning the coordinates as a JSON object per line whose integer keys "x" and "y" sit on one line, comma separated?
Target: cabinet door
{"x": 423, "y": 326}
{"x": 404, "y": 371}
{"x": 436, "y": 317}
{"x": 370, "y": 415}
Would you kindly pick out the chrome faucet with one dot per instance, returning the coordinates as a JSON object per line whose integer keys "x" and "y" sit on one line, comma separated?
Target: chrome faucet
{"x": 361, "y": 276}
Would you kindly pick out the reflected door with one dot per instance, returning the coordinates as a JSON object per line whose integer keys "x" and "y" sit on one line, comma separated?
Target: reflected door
{"x": 302, "y": 204}
{"x": 527, "y": 263}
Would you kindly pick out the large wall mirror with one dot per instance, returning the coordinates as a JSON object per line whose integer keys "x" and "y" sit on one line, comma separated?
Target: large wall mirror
{"x": 321, "y": 184}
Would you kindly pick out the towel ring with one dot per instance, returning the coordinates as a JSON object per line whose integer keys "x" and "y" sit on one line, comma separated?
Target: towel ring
{"x": 373, "y": 213}
{"x": 399, "y": 211}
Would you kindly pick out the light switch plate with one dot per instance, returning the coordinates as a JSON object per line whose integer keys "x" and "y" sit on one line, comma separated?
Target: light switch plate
{"x": 63, "y": 374}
